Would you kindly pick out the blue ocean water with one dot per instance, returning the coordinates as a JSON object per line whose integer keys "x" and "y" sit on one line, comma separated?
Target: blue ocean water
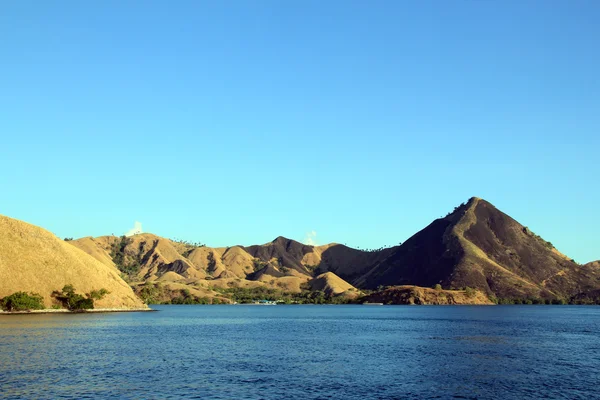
{"x": 305, "y": 352}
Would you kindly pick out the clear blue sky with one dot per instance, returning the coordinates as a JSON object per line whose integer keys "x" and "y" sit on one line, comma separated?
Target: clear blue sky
{"x": 233, "y": 122}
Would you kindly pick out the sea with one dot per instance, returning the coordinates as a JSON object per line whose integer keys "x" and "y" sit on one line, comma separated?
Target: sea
{"x": 304, "y": 352}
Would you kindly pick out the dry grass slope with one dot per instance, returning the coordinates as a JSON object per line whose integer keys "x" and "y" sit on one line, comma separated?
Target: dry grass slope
{"x": 331, "y": 284}
{"x": 34, "y": 260}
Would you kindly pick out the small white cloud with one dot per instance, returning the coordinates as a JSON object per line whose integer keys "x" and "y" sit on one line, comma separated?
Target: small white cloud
{"x": 137, "y": 228}
{"x": 310, "y": 238}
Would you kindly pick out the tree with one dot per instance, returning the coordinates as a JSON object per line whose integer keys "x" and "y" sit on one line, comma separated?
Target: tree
{"x": 74, "y": 301}
{"x": 22, "y": 301}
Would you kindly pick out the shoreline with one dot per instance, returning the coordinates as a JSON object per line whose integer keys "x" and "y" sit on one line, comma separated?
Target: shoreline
{"x": 64, "y": 311}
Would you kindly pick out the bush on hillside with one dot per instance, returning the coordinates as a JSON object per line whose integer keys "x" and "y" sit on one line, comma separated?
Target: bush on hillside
{"x": 74, "y": 301}
{"x": 128, "y": 265}
{"x": 22, "y": 301}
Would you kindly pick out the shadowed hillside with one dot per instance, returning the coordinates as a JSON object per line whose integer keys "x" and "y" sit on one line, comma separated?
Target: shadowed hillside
{"x": 283, "y": 252}
{"x": 479, "y": 246}
{"x": 420, "y": 295}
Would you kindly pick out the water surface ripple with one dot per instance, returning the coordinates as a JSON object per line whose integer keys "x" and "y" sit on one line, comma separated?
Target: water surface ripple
{"x": 305, "y": 352}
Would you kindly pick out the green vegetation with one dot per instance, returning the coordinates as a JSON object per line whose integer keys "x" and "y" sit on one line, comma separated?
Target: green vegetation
{"x": 470, "y": 292}
{"x": 186, "y": 297}
{"x": 250, "y": 295}
{"x": 68, "y": 239}
{"x": 74, "y": 301}
{"x": 586, "y": 300}
{"x": 258, "y": 264}
{"x": 188, "y": 243}
{"x": 456, "y": 209}
{"x": 156, "y": 293}
{"x": 528, "y": 300}
{"x": 128, "y": 267}
{"x": 311, "y": 268}
{"x": 22, "y": 301}
{"x": 438, "y": 287}
{"x": 150, "y": 293}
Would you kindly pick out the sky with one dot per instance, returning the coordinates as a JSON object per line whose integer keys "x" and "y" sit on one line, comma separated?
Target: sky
{"x": 356, "y": 122}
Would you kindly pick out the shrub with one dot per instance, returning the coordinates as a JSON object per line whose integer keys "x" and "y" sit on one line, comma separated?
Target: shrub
{"x": 151, "y": 293}
{"x": 74, "y": 301}
{"x": 128, "y": 266}
{"x": 98, "y": 294}
{"x": 470, "y": 292}
{"x": 437, "y": 286}
{"x": 258, "y": 264}
{"x": 22, "y": 301}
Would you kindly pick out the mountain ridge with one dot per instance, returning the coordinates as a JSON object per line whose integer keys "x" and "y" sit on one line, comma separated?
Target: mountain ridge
{"x": 476, "y": 245}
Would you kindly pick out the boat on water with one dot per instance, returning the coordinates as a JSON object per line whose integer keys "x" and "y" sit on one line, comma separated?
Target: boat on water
{"x": 366, "y": 303}
{"x": 265, "y": 303}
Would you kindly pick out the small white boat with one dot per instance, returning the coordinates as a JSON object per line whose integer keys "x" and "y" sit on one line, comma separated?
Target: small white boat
{"x": 265, "y": 303}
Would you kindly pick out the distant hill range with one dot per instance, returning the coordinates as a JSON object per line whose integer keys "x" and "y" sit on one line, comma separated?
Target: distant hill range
{"x": 474, "y": 246}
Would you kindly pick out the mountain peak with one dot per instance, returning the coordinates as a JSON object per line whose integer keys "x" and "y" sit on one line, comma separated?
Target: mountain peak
{"x": 283, "y": 241}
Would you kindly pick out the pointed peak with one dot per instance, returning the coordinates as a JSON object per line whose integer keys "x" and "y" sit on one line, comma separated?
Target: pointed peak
{"x": 280, "y": 239}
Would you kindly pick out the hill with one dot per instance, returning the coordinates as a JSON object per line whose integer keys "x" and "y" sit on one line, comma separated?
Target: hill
{"x": 34, "y": 260}
{"x": 475, "y": 246}
{"x": 479, "y": 246}
{"x": 332, "y": 285}
{"x": 426, "y": 296}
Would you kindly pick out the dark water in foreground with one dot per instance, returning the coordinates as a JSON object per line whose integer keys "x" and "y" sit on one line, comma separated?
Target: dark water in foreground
{"x": 305, "y": 352}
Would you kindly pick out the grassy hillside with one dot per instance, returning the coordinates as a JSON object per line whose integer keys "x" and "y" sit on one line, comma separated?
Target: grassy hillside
{"x": 34, "y": 260}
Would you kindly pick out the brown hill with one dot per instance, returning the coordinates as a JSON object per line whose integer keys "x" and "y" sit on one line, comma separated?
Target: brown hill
{"x": 283, "y": 252}
{"x": 331, "y": 285}
{"x": 475, "y": 246}
{"x": 421, "y": 295}
{"x": 34, "y": 260}
{"x": 150, "y": 258}
{"x": 346, "y": 262}
{"x": 147, "y": 257}
{"x": 144, "y": 257}
{"x": 479, "y": 246}
{"x": 593, "y": 264}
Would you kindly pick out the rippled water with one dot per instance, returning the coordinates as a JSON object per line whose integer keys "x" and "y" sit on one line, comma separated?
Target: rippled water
{"x": 305, "y": 352}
